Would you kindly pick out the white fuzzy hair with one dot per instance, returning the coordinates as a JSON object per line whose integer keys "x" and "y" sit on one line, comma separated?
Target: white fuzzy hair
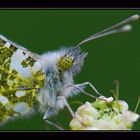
{"x": 51, "y": 59}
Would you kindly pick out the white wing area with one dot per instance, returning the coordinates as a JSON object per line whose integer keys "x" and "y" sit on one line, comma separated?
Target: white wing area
{"x": 16, "y": 61}
{"x": 21, "y": 77}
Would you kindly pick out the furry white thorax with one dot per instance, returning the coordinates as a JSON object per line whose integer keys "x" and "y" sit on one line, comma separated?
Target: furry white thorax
{"x": 46, "y": 98}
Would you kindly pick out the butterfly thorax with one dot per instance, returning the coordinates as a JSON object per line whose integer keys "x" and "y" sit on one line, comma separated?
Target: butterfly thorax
{"x": 60, "y": 68}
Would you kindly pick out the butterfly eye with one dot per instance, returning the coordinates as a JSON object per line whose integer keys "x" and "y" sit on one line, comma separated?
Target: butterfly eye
{"x": 65, "y": 62}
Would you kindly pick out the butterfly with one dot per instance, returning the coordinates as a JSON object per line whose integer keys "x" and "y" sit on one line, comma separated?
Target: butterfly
{"x": 30, "y": 82}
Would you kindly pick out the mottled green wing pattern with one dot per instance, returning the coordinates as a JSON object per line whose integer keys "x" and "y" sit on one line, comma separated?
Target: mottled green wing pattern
{"x": 21, "y": 78}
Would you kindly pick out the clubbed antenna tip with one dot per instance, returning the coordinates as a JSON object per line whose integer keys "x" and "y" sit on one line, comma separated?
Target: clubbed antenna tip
{"x": 122, "y": 26}
{"x": 135, "y": 17}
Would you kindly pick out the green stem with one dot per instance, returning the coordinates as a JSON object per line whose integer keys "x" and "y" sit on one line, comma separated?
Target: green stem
{"x": 138, "y": 102}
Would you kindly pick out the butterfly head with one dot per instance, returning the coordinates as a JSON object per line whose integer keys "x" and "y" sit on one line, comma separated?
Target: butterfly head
{"x": 71, "y": 61}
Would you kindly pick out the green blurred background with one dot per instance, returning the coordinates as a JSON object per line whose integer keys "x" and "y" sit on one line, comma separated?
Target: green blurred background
{"x": 115, "y": 57}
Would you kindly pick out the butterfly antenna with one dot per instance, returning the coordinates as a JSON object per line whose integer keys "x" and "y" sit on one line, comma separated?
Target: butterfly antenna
{"x": 123, "y": 26}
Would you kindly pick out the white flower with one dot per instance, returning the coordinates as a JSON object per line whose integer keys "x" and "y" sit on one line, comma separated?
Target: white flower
{"x": 120, "y": 106}
{"x": 104, "y": 114}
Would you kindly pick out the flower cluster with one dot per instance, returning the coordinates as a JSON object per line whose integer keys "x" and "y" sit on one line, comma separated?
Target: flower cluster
{"x": 104, "y": 114}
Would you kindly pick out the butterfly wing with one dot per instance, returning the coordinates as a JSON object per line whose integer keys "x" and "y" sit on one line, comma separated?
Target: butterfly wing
{"x": 21, "y": 77}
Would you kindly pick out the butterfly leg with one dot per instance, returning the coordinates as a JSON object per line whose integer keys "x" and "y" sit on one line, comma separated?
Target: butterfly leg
{"x": 60, "y": 104}
{"x": 53, "y": 124}
{"x": 80, "y": 86}
{"x": 92, "y": 86}
{"x": 49, "y": 113}
{"x": 62, "y": 101}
